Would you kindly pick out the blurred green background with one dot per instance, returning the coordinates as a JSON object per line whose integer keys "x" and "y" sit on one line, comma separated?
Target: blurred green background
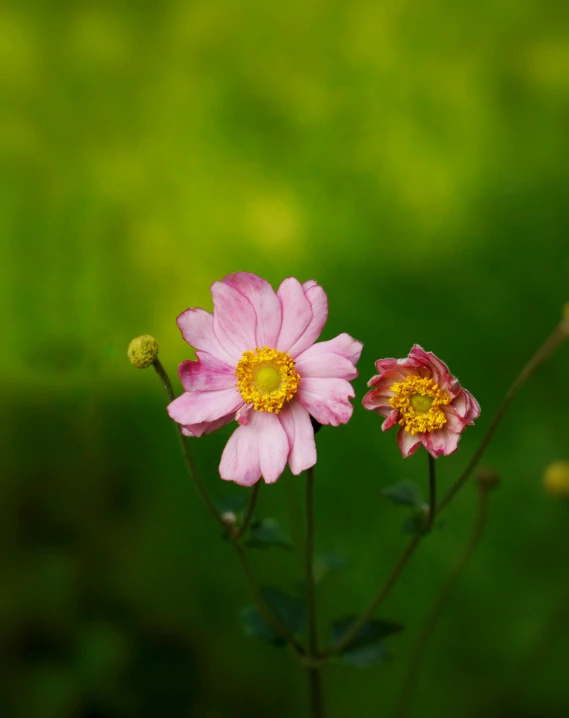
{"x": 413, "y": 157}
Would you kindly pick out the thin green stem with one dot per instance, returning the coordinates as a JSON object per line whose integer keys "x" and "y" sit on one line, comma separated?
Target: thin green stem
{"x": 250, "y": 511}
{"x": 549, "y": 345}
{"x": 418, "y": 652}
{"x": 314, "y": 672}
{"x": 274, "y": 622}
{"x": 432, "y": 490}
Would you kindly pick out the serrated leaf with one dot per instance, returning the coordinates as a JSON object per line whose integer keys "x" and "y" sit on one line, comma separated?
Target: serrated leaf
{"x": 267, "y": 533}
{"x": 371, "y": 632}
{"x": 366, "y": 656}
{"x": 405, "y": 493}
{"x": 328, "y": 563}
{"x": 290, "y": 610}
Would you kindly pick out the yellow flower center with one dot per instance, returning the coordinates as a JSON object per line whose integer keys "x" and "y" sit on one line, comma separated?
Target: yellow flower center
{"x": 267, "y": 378}
{"x": 419, "y": 402}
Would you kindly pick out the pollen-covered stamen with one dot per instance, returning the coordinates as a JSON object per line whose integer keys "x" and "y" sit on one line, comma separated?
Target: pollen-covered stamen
{"x": 418, "y": 402}
{"x": 267, "y": 378}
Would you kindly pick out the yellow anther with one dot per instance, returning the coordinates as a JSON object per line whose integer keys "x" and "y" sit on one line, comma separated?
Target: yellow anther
{"x": 267, "y": 378}
{"x": 418, "y": 402}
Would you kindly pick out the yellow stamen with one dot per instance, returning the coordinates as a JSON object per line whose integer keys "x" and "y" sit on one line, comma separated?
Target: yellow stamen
{"x": 418, "y": 403}
{"x": 267, "y": 378}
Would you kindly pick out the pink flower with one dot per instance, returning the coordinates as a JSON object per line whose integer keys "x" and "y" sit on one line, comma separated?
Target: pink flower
{"x": 425, "y": 399}
{"x": 257, "y": 362}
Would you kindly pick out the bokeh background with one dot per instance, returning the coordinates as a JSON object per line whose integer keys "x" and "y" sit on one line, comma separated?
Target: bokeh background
{"x": 410, "y": 156}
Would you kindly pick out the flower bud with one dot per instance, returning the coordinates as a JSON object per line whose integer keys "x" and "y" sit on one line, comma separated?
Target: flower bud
{"x": 556, "y": 479}
{"x": 143, "y": 351}
{"x": 229, "y": 518}
{"x": 487, "y": 479}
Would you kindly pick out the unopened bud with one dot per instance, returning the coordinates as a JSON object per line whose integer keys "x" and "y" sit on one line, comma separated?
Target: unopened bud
{"x": 229, "y": 518}
{"x": 143, "y": 351}
{"x": 556, "y": 479}
{"x": 487, "y": 478}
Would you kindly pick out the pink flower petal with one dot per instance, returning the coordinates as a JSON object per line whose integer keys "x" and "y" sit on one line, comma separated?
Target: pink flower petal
{"x": 265, "y": 302}
{"x": 234, "y": 319}
{"x": 198, "y": 406}
{"x": 327, "y": 399}
{"x": 408, "y": 444}
{"x": 240, "y": 458}
{"x": 441, "y": 442}
{"x": 343, "y": 344}
{"x": 440, "y": 371}
{"x": 206, "y": 374}
{"x": 244, "y": 414}
{"x": 454, "y": 422}
{"x": 273, "y": 445}
{"x": 298, "y": 427}
{"x": 296, "y": 313}
{"x": 206, "y": 427}
{"x": 473, "y": 411}
{"x": 196, "y": 326}
{"x": 325, "y": 365}
{"x": 319, "y": 303}
{"x": 377, "y": 400}
{"x": 390, "y": 421}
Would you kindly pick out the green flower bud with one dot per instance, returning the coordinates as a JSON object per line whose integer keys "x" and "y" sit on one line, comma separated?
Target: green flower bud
{"x": 143, "y": 351}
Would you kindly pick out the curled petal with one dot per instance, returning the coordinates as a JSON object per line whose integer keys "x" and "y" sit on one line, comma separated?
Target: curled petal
{"x": 300, "y": 433}
{"x": 327, "y": 400}
{"x": 377, "y": 400}
{"x": 441, "y": 442}
{"x": 344, "y": 345}
{"x": 243, "y": 415}
{"x": 390, "y": 421}
{"x": 408, "y": 444}
{"x": 206, "y": 427}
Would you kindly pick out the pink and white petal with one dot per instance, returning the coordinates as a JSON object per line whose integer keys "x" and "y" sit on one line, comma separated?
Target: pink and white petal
{"x": 454, "y": 422}
{"x": 376, "y": 400}
{"x": 384, "y": 364}
{"x": 196, "y": 326}
{"x": 408, "y": 444}
{"x": 206, "y": 374}
{"x": 273, "y": 445}
{"x": 327, "y": 399}
{"x": 344, "y": 345}
{"x": 441, "y": 442}
{"x": 243, "y": 415}
{"x": 206, "y": 427}
{"x": 325, "y": 365}
{"x": 197, "y": 406}
{"x": 265, "y": 302}
{"x": 390, "y": 421}
{"x": 392, "y": 375}
{"x": 319, "y": 303}
{"x": 440, "y": 370}
{"x": 234, "y": 319}
{"x": 296, "y": 313}
{"x": 461, "y": 404}
{"x": 473, "y": 411}
{"x": 240, "y": 458}
{"x": 300, "y": 433}
{"x": 309, "y": 283}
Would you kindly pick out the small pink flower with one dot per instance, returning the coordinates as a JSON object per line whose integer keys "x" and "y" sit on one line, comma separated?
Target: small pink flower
{"x": 257, "y": 362}
{"x": 425, "y": 399}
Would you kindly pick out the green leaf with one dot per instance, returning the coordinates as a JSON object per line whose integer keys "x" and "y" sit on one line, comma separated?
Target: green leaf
{"x": 366, "y": 656}
{"x": 418, "y": 522}
{"x": 328, "y": 563}
{"x": 367, "y": 648}
{"x": 290, "y": 610}
{"x": 371, "y": 632}
{"x": 405, "y": 493}
{"x": 267, "y": 533}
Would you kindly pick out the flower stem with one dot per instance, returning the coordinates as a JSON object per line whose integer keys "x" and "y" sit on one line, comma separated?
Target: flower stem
{"x": 250, "y": 511}
{"x": 544, "y": 351}
{"x": 314, "y": 672}
{"x": 549, "y": 345}
{"x": 418, "y": 651}
{"x": 432, "y": 490}
{"x": 273, "y": 621}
